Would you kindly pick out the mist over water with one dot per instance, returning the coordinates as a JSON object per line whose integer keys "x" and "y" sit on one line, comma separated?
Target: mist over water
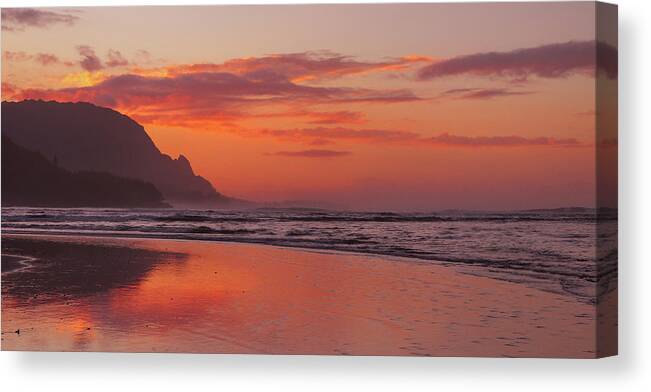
{"x": 554, "y": 250}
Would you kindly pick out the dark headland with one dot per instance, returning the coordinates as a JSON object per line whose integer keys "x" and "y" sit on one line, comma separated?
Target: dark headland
{"x": 29, "y": 179}
{"x": 97, "y": 150}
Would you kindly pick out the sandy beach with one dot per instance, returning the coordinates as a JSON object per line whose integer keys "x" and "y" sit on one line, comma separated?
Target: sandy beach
{"x": 117, "y": 294}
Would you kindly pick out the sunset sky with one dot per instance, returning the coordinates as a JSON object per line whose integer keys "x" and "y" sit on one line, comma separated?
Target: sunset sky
{"x": 405, "y": 107}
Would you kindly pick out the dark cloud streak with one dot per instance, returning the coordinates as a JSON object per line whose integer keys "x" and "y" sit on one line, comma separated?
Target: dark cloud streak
{"x": 546, "y": 61}
{"x": 503, "y": 141}
{"x": 18, "y": 19}
{"x": 40, "y": 58}
{"x": 311, "y": 154}
{"x": 329, "y": 135}
{"x": 482, "y": 93}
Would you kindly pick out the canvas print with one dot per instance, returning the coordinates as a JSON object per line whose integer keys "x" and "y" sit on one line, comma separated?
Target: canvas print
{"x": 372, "y": 179}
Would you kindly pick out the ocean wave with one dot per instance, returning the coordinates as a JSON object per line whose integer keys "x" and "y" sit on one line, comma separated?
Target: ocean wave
{"x": 544, "y": 247}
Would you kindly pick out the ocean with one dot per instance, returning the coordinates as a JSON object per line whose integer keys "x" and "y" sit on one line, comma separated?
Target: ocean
{"x": 553, "y": 250}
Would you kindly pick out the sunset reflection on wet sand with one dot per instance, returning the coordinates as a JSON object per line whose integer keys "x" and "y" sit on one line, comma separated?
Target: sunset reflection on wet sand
{"x": 109, "y": 294}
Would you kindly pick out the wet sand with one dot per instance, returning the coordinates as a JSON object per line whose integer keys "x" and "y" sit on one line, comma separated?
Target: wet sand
{"x": 145, "y": 295}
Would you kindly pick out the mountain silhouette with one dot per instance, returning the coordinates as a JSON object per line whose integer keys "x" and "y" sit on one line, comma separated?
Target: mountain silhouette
{"x": 85, "y": 137}
{"x": 29, "y": 179}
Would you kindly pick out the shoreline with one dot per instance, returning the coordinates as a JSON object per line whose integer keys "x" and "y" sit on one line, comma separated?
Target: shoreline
{"x": 243, "y": 298}
{"x": 181, "y": 238}
{"x": 518, "y": 276}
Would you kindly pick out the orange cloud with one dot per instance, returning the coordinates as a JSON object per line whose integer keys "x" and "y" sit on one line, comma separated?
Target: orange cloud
{"x": 208, "y": 99}
{"x": 296, "y": 67}
{"x": 8, "y": 91}
{"x": 82, "y": 79}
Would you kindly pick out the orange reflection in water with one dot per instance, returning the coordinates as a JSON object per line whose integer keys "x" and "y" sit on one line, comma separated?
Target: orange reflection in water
{"x": 188, "y": 287}
{"x": 235, "y": 298}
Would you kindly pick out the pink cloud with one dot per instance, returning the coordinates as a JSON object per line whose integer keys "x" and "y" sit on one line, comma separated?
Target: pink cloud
{"x": 46, "y": 59}
{"x": 297, "y": 67}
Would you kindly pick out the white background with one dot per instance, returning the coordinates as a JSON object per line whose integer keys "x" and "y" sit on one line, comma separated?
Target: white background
{"x": 629, "y": 371}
